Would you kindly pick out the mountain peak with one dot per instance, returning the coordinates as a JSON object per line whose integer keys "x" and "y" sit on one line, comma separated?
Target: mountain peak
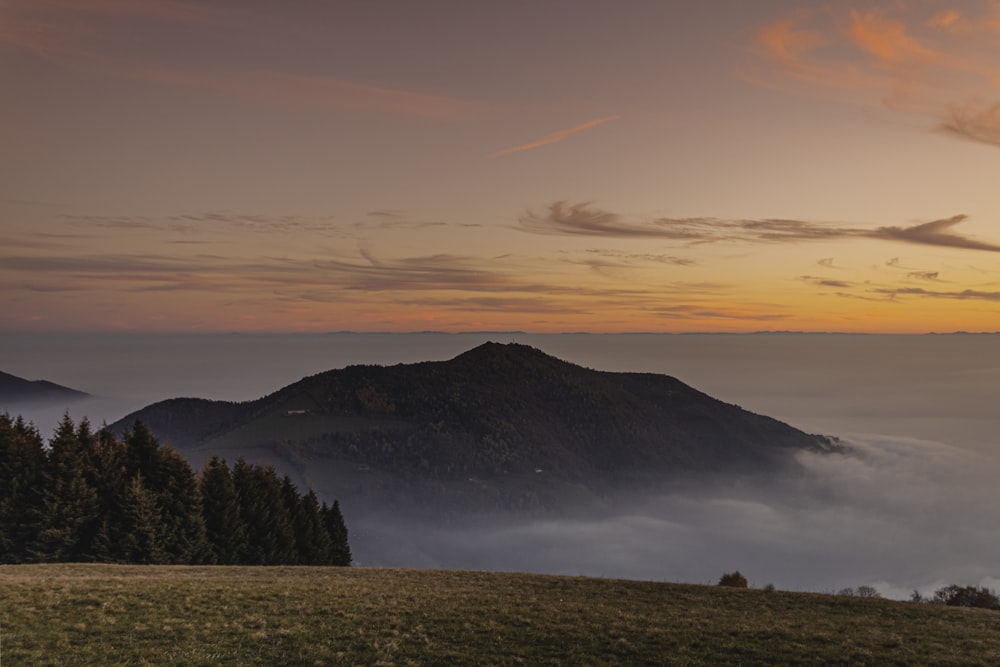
{"x": 14, "y": 389}
{"x": 492, "y": 350}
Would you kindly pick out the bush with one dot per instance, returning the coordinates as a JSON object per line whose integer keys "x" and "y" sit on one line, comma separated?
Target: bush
{"x": 967, "y": 596}
{"x": 733, "y": 580}
{"x": 868, "y": 592}
{"x": 861, "y": 592}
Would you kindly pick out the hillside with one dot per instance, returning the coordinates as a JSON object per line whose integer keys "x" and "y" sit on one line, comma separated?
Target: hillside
{"x": 107, "y": 614}
{"x": 15, "y": 390}
{"x": 521, "y": 421}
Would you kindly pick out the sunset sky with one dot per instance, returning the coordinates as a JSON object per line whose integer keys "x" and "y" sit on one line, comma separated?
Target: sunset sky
{"x": 547, "y": 166}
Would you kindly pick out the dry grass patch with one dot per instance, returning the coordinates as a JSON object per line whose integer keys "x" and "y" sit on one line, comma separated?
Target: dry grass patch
{"x": 154, "y": 615}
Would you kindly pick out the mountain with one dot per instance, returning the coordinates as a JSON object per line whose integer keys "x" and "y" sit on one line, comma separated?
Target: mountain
{"x": 503, "y": 426}
{"x": 15, "y": 390}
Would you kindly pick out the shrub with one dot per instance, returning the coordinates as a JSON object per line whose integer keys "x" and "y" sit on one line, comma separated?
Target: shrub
{"x": 868, "y": 592}
{"x": 861, "y": 592}
{"x": 967, "y": 596}
{"x": 733, "y": 580}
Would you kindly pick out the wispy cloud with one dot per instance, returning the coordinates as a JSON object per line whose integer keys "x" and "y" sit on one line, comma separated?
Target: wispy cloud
{"x": 77, "y": 34}
{"x": 826, "y": 282}
{"x": 935, "y": 233}
{"x": 908, "y": 57}
{"x": 631, "y": 258}
{"x": 688, "y": 312}
{"x": 584, "y": 219}
{"x": 173, "y": 10}
{"x": 555, "y": 137}
{"x": 194, "y": 223}
{"x": 963, "y": 295}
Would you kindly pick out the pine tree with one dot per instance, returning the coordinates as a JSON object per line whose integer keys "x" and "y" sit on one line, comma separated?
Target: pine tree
{"x": 69, "y": 508}
{"x": 270, "y": 536}
{"x": 112, "y": 485}
{"x": 333, "y": 520}
{"x": 311, "y": 536}
{"x": 226, "y": 533}
{"x": 182, "y": 523}
{"x": 292, "y": 503}
{"x": 142, "y": 540}
{"x": 22, "y": 456}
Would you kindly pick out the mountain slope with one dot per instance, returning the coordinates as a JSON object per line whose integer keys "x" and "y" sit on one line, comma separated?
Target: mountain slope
{"x": 14, "y": 390}
{"x": 494, "y": 412}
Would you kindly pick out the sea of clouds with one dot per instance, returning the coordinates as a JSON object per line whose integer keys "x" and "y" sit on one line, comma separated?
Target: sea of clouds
{"x": 909, "y": 507}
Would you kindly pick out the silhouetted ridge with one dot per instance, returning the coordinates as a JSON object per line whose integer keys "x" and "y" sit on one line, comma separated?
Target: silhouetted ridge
{"x": 495, "y": 411}
{"x": 17, "y": 390}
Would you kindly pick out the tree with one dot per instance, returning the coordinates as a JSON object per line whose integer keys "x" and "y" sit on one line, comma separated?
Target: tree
{"x": 270, "y": 536}
{"x": 182, "y": 523}
{"x": 967, "y": 596}
{"x": 733, "y": 580}
{"x": 314, "y": 542}
{"x": 22, "y": 456}
{"x": 69, "y": 509}
{"x": 340, "y": 550}
{"x": 225, "y": 531}
{"x": 142, "y": 539}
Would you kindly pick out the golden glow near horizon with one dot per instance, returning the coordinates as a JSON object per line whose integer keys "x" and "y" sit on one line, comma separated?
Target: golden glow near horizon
{"x": 636, "y": 166}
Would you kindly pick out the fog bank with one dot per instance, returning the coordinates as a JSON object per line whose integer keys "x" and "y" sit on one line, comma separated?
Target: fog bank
{"x": 911, "y": 509}
{"x": 899, "y": 514}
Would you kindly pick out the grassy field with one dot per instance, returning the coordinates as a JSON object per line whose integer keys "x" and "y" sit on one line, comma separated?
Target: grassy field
{"x": 158, "y": 615}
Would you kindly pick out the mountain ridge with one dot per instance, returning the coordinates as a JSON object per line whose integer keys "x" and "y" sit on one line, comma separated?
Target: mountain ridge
{"x": 507, "y": 415}
{"x": 15, "y": 390}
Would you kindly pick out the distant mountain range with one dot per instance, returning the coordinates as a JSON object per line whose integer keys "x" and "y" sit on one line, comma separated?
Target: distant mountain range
{"x": 500, "y": 427}
{"x": 15, "y": 391}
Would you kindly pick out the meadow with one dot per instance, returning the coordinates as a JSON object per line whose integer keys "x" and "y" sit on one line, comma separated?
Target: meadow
{"x": 84, "y": 614}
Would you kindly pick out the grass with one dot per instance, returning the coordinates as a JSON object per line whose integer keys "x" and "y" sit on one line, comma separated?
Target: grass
{"x": 70, "y": 614}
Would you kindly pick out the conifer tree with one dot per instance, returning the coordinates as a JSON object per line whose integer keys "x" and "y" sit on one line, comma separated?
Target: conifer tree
{"x": 112, "y": 485}
{"x": 340, "y": 552}
{"x": 226, "y": 533}
{"x": 68, "y": 509}
{"x": 22, "y": 456}
{"x": 142, "y": 538}
{"x": 182, "y": 523}
{"x": 313, "y": 540}
{"x": 270, "y": 536}
{"x": 292, "y": 503}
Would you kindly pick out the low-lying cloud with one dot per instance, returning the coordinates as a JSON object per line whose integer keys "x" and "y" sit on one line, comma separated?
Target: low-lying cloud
{"x": 896, "y": 513}
{"x": 584, "y": 219}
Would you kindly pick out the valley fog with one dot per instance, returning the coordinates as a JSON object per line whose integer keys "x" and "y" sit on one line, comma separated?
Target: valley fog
{"x": 909, "y": 508}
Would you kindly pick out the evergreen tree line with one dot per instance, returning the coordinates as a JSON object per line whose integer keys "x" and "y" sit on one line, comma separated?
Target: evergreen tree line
{"x": 93, "y": 497}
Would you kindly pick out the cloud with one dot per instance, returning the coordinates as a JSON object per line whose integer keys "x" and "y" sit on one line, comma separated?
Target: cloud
{"x": 630, "y": 258}
{"x": 825, "y": 282}
{"x": 562, "y": 218}
{"x": 973, "y": 121}
{"x": 555, "y": 136}
{"x": 935, "y": 233}
{"x": 826, "y": 262}
{"x": 79, "y": 34}
{"x": 963, "y": 295}
{"x": 923, "y": 275}
{"x": 697, "y": 312}
{"x": 194, "y": 223}
{"x": 937, "y": 64}
{"x": 171, "y": 10}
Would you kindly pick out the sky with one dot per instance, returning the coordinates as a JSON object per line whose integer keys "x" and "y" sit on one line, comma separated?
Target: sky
{"x": 641, "y": 165}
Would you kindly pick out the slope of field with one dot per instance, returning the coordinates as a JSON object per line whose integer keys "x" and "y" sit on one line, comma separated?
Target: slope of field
{"x": 116, "y": 615}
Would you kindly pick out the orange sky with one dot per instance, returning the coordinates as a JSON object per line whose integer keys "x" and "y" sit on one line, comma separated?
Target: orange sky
{"x": 645, "y": 165}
